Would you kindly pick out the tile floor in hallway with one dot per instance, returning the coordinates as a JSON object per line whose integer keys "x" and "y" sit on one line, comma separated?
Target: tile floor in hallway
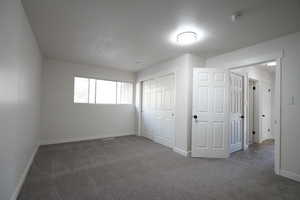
{"x": 134, "y": 168}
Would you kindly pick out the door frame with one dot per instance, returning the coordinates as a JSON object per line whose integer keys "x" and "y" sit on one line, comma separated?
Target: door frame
{"x": 278, "y": 100}
{"x": 140, "y": 107}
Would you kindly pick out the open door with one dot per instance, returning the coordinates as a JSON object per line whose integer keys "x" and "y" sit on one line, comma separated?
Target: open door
{"x": 236, "y": 114}
{"x": 246, "y": 120}
{"x": 265, "y": 111}
{"x": 210, "y": 113}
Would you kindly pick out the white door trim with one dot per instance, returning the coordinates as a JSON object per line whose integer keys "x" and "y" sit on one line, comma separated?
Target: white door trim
{"x": 277, "y": 111}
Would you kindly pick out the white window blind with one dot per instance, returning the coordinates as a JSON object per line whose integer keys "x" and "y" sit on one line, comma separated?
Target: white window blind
{"x": 92, "y": 91}
{"x": 124, "y": 93}
{"x": 106, "y": 92}
{"x": 95, "y": 91}
{"x": 81, "y": 90}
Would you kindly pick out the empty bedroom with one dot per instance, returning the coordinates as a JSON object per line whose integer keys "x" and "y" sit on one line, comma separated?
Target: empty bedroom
{"x": 137, "y": 99}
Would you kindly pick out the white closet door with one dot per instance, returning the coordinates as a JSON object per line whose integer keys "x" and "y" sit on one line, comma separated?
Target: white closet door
{"x": 147, "y": 111}
{"x": 210, "y": 113}
{"x": 236, "y": 112}
{"x": 159, "y": 115}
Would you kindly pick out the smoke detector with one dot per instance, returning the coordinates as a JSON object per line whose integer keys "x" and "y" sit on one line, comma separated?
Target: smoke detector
{"x": 236, "y": 16}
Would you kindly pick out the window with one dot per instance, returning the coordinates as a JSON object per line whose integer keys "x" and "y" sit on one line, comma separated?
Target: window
{"x": 94, "y": 91}
{"x": 81, "y": 90}
{"x": 124, "y": 93}
{"x": 106, "y": 92}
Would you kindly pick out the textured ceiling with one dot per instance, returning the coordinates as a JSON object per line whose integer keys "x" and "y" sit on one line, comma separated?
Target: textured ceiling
{"x": 133, "y": 34}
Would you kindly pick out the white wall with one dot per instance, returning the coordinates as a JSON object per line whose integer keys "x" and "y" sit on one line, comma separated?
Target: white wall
{"x": 182, "y": 68}
{"x": 290, "y": 46}
{"x": 63, "y": 121}
{"x": 20, "y": 73}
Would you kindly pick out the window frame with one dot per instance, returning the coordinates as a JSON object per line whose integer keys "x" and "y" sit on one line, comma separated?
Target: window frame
{"x": 103, "y": 79}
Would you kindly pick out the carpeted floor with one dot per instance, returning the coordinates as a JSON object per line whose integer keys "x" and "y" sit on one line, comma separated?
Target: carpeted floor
{"x": 134, "y": 168}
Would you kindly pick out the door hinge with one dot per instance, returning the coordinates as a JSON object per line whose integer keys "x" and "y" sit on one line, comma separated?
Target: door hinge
{"x": 253, "y": 132}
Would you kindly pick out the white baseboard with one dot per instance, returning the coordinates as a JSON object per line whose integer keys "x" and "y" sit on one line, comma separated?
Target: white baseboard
{"x": 162, "y": 141}
{"x": 181, "y": 152}
{"x": 24, "y": 175}
{"x": 77, "y": 139}
{"x": 290, "y": 175}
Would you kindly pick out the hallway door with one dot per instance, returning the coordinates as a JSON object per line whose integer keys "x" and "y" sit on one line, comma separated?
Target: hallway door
{"x": 210, "y": 113}
{"x": 265, "y": 111}
{"x": 236, "y": 112}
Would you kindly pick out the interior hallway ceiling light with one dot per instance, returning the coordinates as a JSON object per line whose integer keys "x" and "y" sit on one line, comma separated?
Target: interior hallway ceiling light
{"x": 271, "y": 64}
{"x": 186, "y": 38}
{"x": 187, "y": 35}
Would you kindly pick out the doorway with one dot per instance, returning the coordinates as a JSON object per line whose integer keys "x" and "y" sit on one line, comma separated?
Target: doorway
{"x": 158, "y": 101}
{"x": 221, "y": 124}
{"x": 257, "y": 111}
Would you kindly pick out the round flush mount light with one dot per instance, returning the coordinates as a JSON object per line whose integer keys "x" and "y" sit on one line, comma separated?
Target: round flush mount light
{"x": 187, "y": 38}
{"x": 271, "y": 64}
{"x": 186, "y": 35}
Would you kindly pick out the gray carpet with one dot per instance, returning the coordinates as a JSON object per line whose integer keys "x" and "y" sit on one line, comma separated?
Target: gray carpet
{"x": 134, "y": 168}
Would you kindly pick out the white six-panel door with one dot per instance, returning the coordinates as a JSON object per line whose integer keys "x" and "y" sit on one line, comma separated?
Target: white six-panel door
{"x": 236, "y": 112}
{"x": 158, "y": 110}
{"x": 148, "y": 109}
{"x": 265, "y": 111}
{"x": 210, "y": 113}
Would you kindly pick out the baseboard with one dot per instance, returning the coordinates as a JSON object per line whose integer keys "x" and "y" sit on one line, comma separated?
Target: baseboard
{"x": 78, "y": 139}
{"x": 162, "y": 141}
{"x": 24, "y": 175}
{"x": 181, "y": 152}
{"x": 290, "y": 175}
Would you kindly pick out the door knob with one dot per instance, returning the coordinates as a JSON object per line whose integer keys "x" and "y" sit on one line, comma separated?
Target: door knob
{"x": 242, "y": 117}
{"x": 263, "y": 115}
{"x": 195, "y": 116}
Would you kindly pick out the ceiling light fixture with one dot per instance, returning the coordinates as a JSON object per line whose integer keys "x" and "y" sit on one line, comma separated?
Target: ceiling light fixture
{"x": 271, "y": 64}
{"x": 186, "y": 38}
{"x": 187, "y": 35}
